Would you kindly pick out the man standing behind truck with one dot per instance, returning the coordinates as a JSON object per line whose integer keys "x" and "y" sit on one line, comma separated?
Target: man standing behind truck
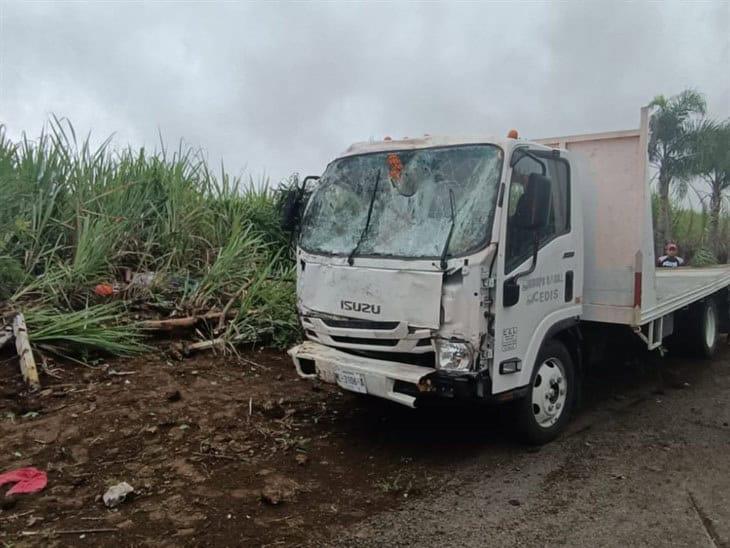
{"x": 670, "y": 260}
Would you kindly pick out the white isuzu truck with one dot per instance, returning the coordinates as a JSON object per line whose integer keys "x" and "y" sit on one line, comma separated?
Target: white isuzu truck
{"x": 489, "y": 270}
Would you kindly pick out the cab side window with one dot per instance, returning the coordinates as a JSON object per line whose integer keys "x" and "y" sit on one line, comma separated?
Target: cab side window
{"x": 519, "y": 242}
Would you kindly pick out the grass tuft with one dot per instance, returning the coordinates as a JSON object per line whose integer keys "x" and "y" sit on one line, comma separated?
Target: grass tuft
{"x": 76, "y": 333}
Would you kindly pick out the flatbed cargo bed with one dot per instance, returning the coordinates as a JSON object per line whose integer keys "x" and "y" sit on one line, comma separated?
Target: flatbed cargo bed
{"x": 679, "y": 287}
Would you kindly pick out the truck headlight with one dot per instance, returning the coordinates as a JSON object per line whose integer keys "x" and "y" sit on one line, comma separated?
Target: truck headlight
{"x": 453, "y": 355}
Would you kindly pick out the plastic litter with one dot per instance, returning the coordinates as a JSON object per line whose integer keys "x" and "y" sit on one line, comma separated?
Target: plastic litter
{"x": 104, "y": 290}
{"x": 116, "y": 494}
{"x": 27, "y": 480}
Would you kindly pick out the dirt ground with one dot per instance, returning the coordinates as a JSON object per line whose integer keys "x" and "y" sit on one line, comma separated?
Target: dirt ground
{"x": 228, "y": 450}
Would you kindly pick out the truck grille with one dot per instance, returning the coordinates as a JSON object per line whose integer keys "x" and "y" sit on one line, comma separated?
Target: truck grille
{"x": 360, "y": 324}
{"x": 363, "y": 335}
{"x": 427, "y": 359}
{"x": 369, "y": 342}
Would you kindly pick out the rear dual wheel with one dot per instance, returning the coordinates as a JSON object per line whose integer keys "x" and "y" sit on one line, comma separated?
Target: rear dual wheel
{"x": 705, "y": 330}
{"x": 697, "y": 330}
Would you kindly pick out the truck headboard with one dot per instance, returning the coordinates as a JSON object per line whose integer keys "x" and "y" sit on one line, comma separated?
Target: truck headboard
{"x": 618, "y": 229}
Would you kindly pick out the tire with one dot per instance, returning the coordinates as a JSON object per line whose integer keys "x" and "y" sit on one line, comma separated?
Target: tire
{"x": 704, "y": 329}
{"x": 545, "y": 411}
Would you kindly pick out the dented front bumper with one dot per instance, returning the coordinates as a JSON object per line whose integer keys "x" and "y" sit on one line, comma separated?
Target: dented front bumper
{"x": 399, "y": 382}
{"x": 393, "y": 381}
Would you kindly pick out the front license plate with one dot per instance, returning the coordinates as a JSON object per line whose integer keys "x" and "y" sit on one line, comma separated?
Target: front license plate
{"x": 350, "y": 380}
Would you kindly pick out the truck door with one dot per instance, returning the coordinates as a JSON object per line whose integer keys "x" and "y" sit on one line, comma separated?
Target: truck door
{"x": 550, "y": 294}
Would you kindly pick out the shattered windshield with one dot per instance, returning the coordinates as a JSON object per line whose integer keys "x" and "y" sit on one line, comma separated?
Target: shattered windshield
{"x": 410, "y": 195}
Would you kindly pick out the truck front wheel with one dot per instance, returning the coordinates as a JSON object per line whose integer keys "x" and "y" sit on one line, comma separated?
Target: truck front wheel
{"x": 546, "y": 408}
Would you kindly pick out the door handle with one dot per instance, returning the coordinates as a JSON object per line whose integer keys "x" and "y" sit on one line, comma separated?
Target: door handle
{"x": 568, "y": 286}
{"x": 568, "y": 254}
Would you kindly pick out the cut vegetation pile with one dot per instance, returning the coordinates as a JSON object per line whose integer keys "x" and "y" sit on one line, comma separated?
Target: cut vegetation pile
{"x": 99, "y": 246}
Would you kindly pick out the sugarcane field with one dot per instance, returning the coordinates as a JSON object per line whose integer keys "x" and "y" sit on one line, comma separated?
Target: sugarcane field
{"x": 238, "y": 308}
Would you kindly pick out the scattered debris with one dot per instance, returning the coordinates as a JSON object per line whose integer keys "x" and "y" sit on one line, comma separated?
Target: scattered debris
{"x": 22, "y": 346}
{"x": 113, "y": 373}
{"x": 278, "y": 489}
{"x": 188, "y": 321}
{"x": 184, "y": 349}
{"x": 116, "y": 494}
{"x": 69, "y": 532}
{"x": 140, "y": 279}
{"x": 173, "y": 396}
{"x": 104, "y": 290}
{"x": 515, "y": 502}
{"x": 272, "y": 409}
{"x": 32, "y": 520}
{"x": 6, "y": 335}
{"x": 27, "y": 480}
{"x": 301, "y": 459}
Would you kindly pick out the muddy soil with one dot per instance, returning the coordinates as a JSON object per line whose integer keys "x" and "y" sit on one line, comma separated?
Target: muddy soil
{"x": 226, "y": 450}
{"x": 220, "y": 450}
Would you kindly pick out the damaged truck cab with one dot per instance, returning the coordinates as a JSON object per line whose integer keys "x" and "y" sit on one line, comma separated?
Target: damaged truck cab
{"x": 454, "y": 268}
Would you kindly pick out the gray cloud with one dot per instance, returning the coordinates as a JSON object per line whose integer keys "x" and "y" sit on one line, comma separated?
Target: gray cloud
{"x": 282, "y": 87}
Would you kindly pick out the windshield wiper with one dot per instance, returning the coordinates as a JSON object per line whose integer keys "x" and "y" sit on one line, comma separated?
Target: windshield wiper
{"x": 351, "y": 256}
{"x": 445, "y": 250}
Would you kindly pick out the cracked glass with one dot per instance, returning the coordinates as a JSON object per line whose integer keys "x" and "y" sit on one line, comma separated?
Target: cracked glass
{"x": 411, "y": 206}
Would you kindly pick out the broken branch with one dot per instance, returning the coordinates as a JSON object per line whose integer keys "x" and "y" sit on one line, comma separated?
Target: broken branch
{"x": 189, "y": 321}
{"x": 69, "y": 532}
{"x": 22, "y": 346}
{"x": 226, "y": 308}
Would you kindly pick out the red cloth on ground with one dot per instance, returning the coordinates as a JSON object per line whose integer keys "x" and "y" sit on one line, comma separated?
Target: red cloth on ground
{"x": 27, "y": 480}
{"x": 104, "y": 290}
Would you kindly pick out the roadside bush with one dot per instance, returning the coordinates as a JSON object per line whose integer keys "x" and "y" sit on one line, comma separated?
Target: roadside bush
{"x": 74, "y": 216}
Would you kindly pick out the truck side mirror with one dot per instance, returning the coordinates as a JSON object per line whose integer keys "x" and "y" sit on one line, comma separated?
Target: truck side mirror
{"x": 290, "y": 210}
{"x": 535, "y": 203}
{"x": 293, "y": 200}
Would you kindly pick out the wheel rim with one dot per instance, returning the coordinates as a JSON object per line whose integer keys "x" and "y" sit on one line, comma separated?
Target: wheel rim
{"x": 710, "y": 326}
{"x": 549, "y": 392}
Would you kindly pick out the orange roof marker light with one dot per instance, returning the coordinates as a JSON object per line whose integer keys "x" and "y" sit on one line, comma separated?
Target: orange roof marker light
{"x": 512, "y": 134}
{"x": 395, "y": 167}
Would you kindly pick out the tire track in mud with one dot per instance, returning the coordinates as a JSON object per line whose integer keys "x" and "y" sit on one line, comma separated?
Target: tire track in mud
{"x": 707, "y": 523}
{"x": 617, "y": 463}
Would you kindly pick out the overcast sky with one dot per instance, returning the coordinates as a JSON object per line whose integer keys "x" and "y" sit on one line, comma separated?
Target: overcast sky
{"x": 282, "y": 87}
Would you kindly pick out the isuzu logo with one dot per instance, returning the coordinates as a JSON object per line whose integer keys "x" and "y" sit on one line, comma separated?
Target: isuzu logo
{"x": 360, "y": 307}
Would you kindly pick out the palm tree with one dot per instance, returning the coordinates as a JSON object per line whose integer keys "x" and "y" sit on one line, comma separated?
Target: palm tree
{"x": 670, "y": 127}
{"x": 710, "y": 160}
